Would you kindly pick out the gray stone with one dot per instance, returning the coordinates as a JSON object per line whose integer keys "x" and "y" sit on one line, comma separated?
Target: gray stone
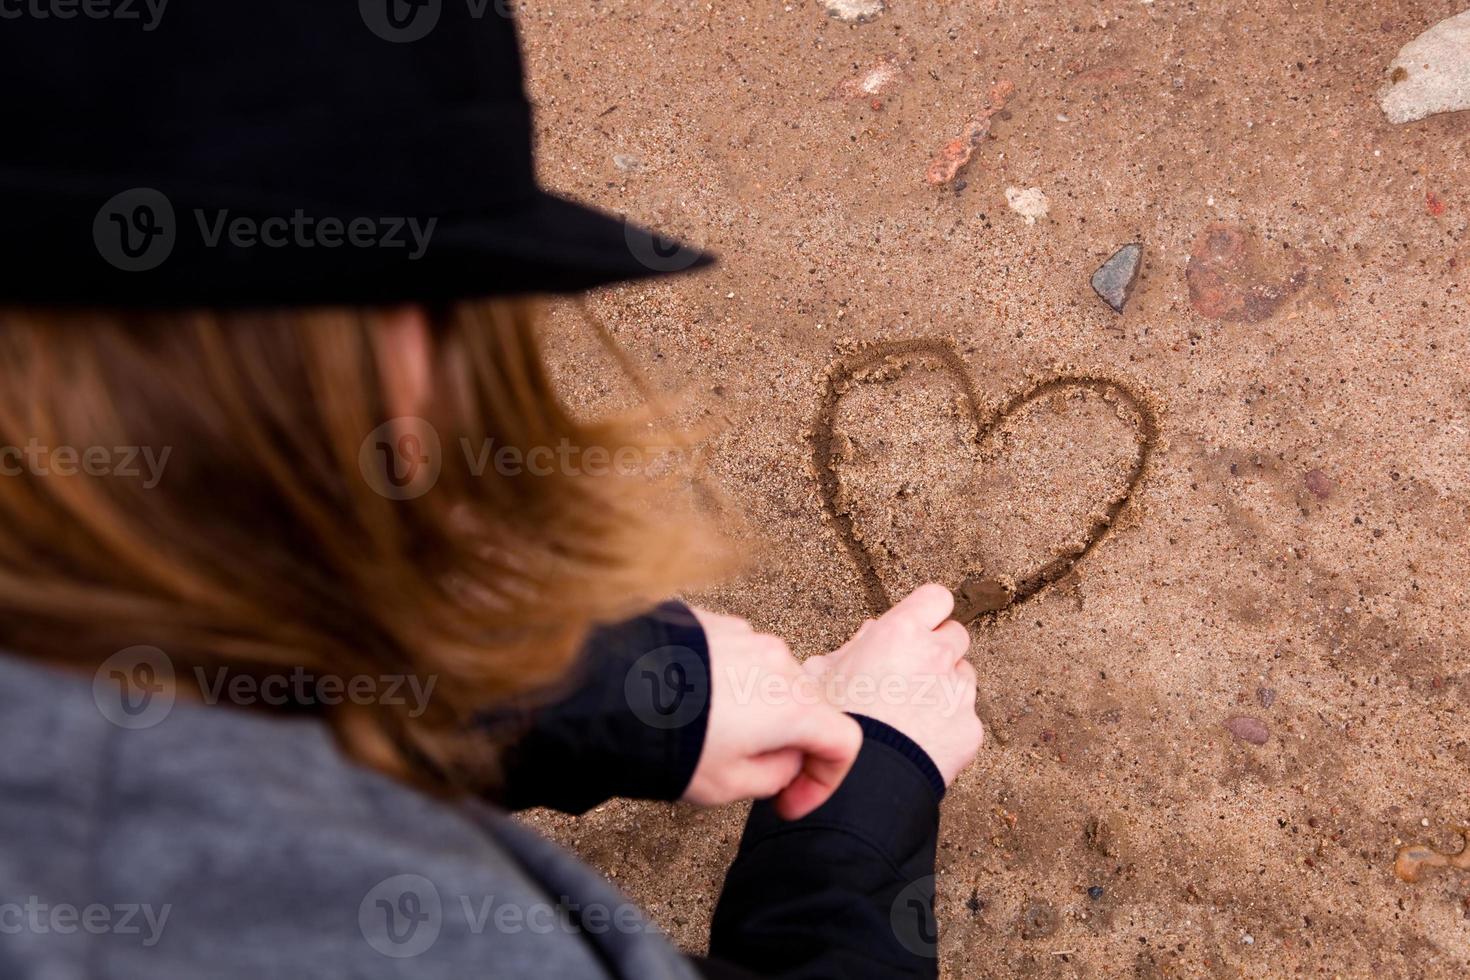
{"x": 1431, "y": 73}
{"x": 1115, "y": 278}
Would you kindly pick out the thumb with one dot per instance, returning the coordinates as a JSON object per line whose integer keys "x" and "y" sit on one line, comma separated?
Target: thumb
{"x": 829, "y": 741}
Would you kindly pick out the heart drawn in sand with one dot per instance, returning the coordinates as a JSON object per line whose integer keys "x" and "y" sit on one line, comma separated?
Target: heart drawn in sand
{"x": 981, "y": 591}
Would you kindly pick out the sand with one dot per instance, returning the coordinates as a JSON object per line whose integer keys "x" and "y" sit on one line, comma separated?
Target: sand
{"x": 1295, "y": 554}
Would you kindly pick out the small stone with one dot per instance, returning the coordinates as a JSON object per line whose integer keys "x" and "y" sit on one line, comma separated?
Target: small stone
{"x": 1115, "y": 278}
{"x": 627, "y": 162}
{"x": 1266, "y": 695}
{"x": 873, "y": 82}
{"x": 1319, "y": 483}
{"x": 1431, "y": 73}
{"x": 1248, "y": 939}
{"x": 1095, "y": 892}
{"x": 1030, "y": 203}
{"x": 854, "y": 11}
{"x": 1038, "y": 921}
{"x": 975, "y": 903}
{"x": 1248, "y": 729}
{"x": 953, "y": 155}
{"x": 1229, "y": 278}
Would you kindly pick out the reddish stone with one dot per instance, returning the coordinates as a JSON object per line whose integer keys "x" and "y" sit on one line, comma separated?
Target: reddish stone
{"x": 1248, "y": 729}
{"x": 1319, "y": 483}
{"x": 1230, "y": 280}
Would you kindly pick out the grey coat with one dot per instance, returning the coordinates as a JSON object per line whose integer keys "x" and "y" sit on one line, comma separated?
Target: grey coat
{"x": 219, "y": 843}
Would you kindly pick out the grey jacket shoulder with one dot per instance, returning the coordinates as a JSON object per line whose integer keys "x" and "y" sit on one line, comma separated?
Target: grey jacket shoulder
{"x": 217, "y": 842}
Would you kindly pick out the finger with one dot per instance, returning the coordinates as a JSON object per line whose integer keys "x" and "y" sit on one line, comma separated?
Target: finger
{"x": 928, "y": 605}
{"x": 954, "y": 637}
{"x": 817, "y": 666}
{"x": 765, "y": 775}
{"x": 831, "y": 741}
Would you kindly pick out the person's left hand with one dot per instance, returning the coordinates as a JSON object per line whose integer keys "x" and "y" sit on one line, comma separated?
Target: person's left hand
{"x": 764, "y": 737}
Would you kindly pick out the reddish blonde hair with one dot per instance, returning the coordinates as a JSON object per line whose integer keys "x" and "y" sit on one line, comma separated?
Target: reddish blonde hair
{"x": 265, "y": 546}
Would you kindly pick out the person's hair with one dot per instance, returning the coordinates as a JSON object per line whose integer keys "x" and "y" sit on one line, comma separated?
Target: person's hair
{"x": 230, "y": 487}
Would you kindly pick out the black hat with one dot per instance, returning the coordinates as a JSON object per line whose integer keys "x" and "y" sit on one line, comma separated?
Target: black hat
{"x": 283, "y": 152}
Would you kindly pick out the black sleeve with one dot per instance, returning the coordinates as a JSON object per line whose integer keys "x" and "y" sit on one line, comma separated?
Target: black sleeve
{"x": 629, "y": 721}
{"x": 847, "y": 891}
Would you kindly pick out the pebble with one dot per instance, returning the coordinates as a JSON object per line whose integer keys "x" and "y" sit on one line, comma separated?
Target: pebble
{"x": 1431, "y": 73}
{"x": 1038, "y": 921}
{"x": 1229, "y": 280}
{"x": 1114, "y": 280}
{"x": 627, "y": 162}
{"x": 953, "y": 155}
{"x": 1095, "y": 892}
{"x": 1266, "y": 695}
{"x": 854, "y": 11}
{"x": 873, "y": 82}
{"x": 1029, "y": 203}
{"x": 1248, "y": 729}
{"x": 1319, "y": 483}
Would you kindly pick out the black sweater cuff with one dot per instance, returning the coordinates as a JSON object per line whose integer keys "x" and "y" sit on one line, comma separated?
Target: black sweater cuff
{"x": 886, "y": 734}
{"x": 629, "y": 722}
{"x": 848, "y": 890}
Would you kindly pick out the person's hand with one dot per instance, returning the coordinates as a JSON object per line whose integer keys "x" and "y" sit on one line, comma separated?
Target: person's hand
{"x": 907, "y": 669}
{"x": 769, "y": 731}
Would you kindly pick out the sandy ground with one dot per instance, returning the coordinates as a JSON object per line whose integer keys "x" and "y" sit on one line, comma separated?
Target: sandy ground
{"x": 1295, "y": 553}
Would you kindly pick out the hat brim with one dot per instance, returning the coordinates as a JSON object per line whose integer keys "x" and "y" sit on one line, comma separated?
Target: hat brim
{"x": 558, "y": 245}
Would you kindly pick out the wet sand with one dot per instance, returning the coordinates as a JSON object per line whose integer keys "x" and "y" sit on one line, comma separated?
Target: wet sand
{"x": 1292, "y": 564}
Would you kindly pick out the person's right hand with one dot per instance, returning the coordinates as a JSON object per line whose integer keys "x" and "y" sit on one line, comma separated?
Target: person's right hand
{"x": 907, "y": 669}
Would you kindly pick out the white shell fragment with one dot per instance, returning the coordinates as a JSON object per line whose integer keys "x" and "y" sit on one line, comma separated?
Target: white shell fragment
{"x": 1431, "y": 73}
{"x": 1030, "y": 203}
{"x": 854, "y": 11}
